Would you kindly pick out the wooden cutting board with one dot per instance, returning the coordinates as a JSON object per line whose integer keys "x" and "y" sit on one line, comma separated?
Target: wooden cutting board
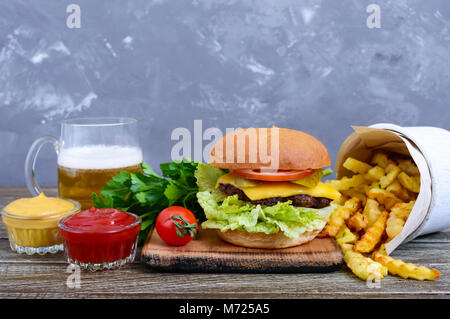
{"x": 208, "y": 253}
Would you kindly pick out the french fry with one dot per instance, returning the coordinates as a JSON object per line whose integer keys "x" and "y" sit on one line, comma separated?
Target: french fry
{"x": 352, "y": 192}
{"x": 381, "y": 251}
{"x": 394, "y": 226}
{"x": 403, "y": 210}
{"x": 407, "y": 270}
{"x": 353, "y": 203}
{"x": 358, "y": 222}
{"x": 397, "y": 218}
{"x": 373, "y": 234}
{"x": 356, "y": 166}
{"x": 373, "y": 185}
{"x": 347, "y": 182}
{"x": 363, "y": 267}
{"x": 391, "y": 175}
{"x": 341, "y": 200}
{"x": 410, "y": 183}
{"x": 363, "y": 188}
{"x": 402, "y": 269}
{"x": 383, "y": 197}
{"x": 398, "y": 190}
{"x": 337, "y": 219}
{"x": 380, "y": 159}
{"x": 367, "y": 187}
{"x": 375, "y": 173}
{"x": 408, "y": 167}
{"x": 349, "y": 193}
{"x": 372, "y": 211}
{"x": 339, "y": 216}
{"x": 391, "y": 164}
{"x": 345, "y": 236}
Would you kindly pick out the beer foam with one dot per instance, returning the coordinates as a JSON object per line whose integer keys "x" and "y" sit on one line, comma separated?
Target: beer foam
{"x": 99, "y": 157}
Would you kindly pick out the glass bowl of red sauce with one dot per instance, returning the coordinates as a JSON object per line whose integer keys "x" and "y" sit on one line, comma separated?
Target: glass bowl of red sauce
{"x": 100, "y": 238}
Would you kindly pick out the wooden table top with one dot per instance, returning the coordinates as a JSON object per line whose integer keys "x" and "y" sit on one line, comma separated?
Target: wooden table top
{"x": 23, "y": 276}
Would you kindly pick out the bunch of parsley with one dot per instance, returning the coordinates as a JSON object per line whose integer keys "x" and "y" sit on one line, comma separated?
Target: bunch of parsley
{"x": 146, "y": 193}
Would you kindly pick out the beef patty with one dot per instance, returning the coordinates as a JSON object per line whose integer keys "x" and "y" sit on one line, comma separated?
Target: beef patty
{"x": 297, "y": 200}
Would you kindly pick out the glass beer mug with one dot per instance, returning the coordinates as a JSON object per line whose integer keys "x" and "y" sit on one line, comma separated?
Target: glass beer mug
{"x": 90, "y": 152}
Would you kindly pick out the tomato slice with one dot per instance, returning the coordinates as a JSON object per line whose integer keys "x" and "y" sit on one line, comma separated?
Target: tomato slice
{"x": 273, "y": 176}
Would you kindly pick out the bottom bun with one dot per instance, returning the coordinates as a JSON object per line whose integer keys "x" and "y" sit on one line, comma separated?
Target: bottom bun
{"x": 261, "y": 240}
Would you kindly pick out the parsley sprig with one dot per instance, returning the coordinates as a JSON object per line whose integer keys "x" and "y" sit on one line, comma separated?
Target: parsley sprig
{"x": 146, "y": 193}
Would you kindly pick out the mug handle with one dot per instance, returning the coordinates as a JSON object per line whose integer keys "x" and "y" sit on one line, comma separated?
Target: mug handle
{"x": 30, "y": 162}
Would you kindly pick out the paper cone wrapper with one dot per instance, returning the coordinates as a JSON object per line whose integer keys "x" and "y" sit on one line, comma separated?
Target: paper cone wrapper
{"x": 429, "y": 148}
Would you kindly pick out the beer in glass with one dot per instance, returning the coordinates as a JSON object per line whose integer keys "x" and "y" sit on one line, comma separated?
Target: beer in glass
{"x": 90, "y": 152}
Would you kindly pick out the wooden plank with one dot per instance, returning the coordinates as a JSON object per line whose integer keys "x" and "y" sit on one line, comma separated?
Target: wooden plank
{"x": 45, "y": 276}
{"x": 208, "y": 253}
{"x": 50, "y": 280}
{"x": 150, "y": 295}
{"x": 440, "y": 237}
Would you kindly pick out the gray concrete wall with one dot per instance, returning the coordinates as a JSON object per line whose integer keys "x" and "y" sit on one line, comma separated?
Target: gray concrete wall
{"x": 308, "y": 65}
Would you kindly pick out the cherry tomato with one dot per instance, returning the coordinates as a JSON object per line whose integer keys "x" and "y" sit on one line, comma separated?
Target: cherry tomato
{"x": 176, "y": 225}
{"x": 277, "y": 176}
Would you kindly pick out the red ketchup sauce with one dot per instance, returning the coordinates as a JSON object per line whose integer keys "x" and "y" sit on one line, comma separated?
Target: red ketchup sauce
{"x": 99, "y": 236}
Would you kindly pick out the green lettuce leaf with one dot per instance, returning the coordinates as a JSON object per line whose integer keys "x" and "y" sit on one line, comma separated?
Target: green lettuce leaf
{"x": 207, "y": 177}
{"x": 234, "y": 214}
{"x": 327, "y": 171}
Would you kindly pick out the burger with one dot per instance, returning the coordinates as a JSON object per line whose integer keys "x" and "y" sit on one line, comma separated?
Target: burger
{"x": 259, "y": 203}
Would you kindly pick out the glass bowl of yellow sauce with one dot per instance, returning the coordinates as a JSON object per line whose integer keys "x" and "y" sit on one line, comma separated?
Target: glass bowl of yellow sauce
{"x": 32, "y": 223}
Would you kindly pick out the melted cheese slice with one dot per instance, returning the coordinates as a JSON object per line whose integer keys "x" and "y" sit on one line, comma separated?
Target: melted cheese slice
{"x": 264, "y": 190}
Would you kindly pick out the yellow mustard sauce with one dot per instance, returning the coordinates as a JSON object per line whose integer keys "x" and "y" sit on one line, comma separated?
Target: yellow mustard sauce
{"x": 32, "y": 223}
{"x": 38, "y": 206}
